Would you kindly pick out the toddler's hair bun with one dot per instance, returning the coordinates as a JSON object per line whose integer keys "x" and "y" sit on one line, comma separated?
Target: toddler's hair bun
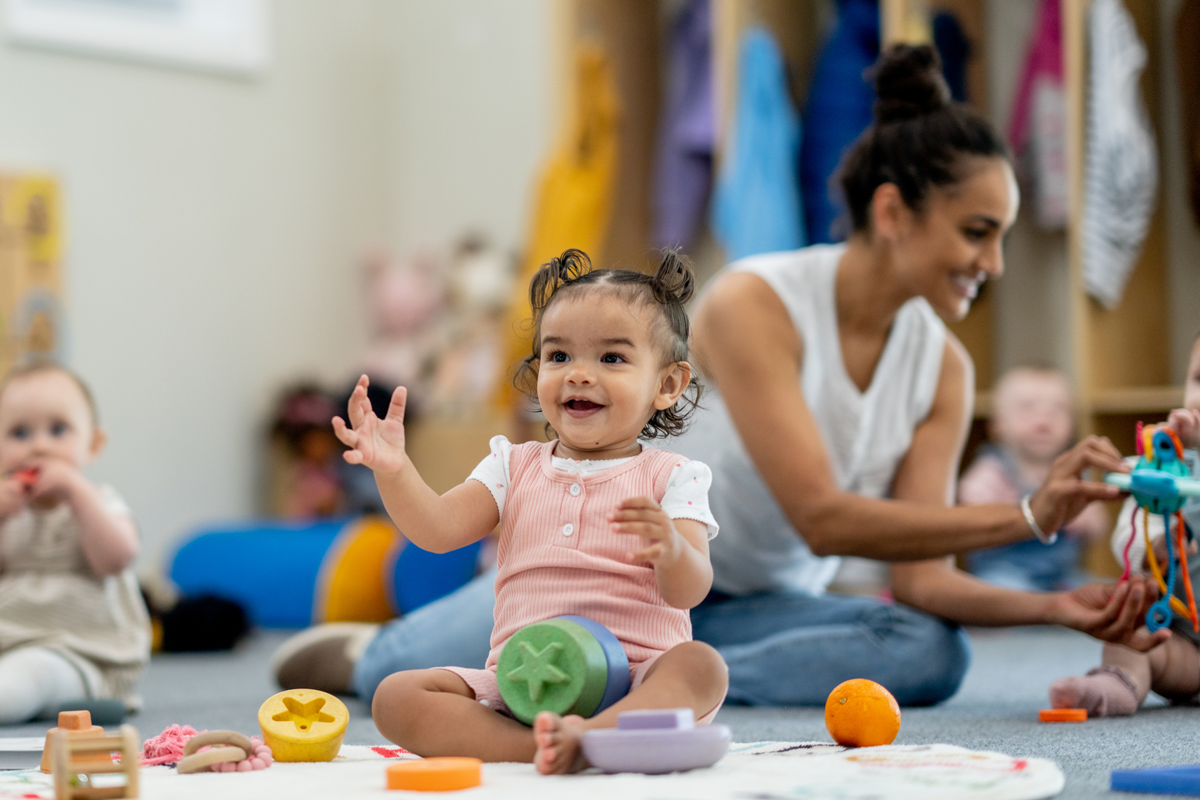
{"x": 559, "y": 271}
{"x": 909, "y": 83}
{"x": 674, "y": 281}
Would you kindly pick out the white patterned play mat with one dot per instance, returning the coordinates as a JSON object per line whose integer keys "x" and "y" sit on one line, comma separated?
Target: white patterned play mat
{"x": 759, "y": 771}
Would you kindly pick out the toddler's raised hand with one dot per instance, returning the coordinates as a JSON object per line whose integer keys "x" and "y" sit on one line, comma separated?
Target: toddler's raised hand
{"x": 641, "y": 516}
{"x": 377, "y": 443}
{"x": 1186, "y": 423}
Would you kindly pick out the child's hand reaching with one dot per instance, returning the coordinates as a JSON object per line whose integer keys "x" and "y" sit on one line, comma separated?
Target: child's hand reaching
{"x": 55, "y": 479}
{"x": 377, "y": 443}
{"x": 12, "y": 496}
{"x": 1186, "y": 423}
{"x": 641, "y": 516}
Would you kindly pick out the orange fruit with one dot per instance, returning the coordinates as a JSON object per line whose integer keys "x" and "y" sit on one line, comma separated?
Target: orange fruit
{"x": 861, "y": 713}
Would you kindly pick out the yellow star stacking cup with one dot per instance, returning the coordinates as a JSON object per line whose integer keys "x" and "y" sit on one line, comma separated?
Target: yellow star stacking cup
{"x": 303, "y": 725}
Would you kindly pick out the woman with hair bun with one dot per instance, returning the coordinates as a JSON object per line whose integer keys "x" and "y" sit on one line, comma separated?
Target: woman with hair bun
{"x": 835, "y": 412}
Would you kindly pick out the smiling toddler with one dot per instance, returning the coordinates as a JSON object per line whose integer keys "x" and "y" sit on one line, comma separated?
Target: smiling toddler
{"x": 592, "y": 523}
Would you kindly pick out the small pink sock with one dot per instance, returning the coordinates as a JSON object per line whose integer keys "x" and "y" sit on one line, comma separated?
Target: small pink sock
{"x": 1106, "y": 691}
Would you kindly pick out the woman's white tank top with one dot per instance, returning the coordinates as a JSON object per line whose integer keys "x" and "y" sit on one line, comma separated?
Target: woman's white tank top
{"x": 866, "y": 434}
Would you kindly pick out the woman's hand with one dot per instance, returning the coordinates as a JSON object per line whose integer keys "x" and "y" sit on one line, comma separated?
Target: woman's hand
{"x": 1112, "y": 612}
{"x": 377, "y": 443}
{"x": 1064, "y": 493}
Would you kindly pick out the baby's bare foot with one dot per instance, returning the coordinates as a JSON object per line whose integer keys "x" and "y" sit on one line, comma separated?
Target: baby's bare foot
{"x": 1104, "y": 692}
{"x": 558, "y": 743}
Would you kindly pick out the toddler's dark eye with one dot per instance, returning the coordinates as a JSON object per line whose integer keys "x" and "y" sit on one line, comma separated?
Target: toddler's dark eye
{"x": 20, "y": 432}
{"x": 59, "y": 429}
{"x": 611, "y": 358}
{"x": 558, "y": 357}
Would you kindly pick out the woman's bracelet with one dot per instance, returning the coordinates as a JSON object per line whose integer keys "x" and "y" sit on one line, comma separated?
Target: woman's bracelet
{"x": 1033, "y": 526}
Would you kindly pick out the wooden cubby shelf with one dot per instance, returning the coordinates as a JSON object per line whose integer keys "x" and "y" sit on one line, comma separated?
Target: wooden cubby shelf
{"x": 1119, "y": 360}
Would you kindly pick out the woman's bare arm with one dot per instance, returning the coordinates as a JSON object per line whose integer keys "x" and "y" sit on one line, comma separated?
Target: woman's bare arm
{"x": 747, "y": 346}
{"x": 927, "y": 476}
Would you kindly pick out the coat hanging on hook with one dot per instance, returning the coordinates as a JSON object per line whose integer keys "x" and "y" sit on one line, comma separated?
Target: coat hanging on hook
{"x": 1121, "y": 177}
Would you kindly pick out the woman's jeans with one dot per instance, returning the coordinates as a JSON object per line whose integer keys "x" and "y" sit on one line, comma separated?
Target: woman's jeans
{"x": 782, "y": 649}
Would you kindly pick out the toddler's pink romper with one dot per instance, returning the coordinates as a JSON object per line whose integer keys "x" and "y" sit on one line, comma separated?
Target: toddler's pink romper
{"x": 557, "y": 554}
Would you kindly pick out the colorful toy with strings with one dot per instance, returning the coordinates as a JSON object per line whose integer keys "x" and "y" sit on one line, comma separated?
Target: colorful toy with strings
{"x": 1160, "y": 484}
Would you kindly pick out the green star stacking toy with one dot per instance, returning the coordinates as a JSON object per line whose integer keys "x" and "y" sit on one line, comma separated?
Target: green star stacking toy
{"x": 568, "y": 665}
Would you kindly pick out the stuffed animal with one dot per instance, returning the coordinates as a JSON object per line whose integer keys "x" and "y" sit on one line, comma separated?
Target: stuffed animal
{"x": 406, "y": 298}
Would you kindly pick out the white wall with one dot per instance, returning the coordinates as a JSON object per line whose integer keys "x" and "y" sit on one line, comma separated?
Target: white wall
{"x": 470, "y": 110}
{"x": 214, "y": 226}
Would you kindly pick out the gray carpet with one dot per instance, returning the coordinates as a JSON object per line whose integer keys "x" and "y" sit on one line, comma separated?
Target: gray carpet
{"x": 995, "y": 710}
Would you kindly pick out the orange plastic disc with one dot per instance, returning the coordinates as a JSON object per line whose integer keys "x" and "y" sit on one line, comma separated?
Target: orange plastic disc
{"x": 1063, "y": 715}
{"x": 435, "y": 774}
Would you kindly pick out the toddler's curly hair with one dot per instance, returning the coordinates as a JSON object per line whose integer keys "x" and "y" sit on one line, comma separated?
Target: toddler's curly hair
{"x": 668, "y": 289}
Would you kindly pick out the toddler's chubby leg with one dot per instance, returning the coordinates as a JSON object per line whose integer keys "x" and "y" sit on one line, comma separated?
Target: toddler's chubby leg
{"x": 433, "y": 712}
{"x": 690, "y": 675}
{"x": 1120, "y": 685}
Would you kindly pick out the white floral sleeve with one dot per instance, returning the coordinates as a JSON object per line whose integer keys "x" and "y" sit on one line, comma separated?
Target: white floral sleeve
{"x": 492, "y": 472}
{"x": 686, "y": 496}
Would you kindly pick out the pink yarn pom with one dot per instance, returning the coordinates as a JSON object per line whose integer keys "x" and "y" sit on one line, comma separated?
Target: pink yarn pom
{"x": 261, "y": 758}
{"x": 167, "y": 747}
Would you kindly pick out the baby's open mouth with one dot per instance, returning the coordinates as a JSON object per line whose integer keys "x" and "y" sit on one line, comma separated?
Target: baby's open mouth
{"x": 582, "y": 405}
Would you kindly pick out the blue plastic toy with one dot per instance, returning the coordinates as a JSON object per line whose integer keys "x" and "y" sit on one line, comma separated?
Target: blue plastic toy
{"x": 1160, "y": 484}
{"x": 291, "y": 575}
{"x": 1159, "y": 780}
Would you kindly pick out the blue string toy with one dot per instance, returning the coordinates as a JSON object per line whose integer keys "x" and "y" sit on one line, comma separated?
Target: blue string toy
{"x": 1160, "y": 484}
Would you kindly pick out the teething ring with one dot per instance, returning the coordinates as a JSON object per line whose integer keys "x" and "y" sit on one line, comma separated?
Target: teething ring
{"x": 214, "y": 755}
{"x": 232, "y": 738}
{"x": 236, "y": 748}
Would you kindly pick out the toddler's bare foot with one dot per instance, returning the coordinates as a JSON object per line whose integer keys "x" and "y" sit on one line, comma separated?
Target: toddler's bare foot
{"x": 558, "y": 743}
{"x": 1105, "y": 692}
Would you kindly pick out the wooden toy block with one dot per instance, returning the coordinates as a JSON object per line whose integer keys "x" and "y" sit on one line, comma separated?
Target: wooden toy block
{"x": 77, "y": 724}
{"x": 1063, "y": 715}
{"x": 74, "y": 761}
{"x": 435, "y": 774}
{"x": 1183, "y": 780}
{"x": 234, "y": 747}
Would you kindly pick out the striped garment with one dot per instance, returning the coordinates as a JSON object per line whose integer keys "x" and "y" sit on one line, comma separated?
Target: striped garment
{"x": 558, "y": 556}
{"x": 1121, "y": 183}
{"x": 50, "y": 597}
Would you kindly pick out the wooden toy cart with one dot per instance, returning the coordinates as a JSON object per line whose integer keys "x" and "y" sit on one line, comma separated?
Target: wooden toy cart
{"x": 73, "y": 764}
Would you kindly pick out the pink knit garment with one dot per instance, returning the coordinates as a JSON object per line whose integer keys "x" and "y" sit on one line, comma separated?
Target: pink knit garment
{"x": 558, "y": 554}
{"x": 167, "y": 747}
